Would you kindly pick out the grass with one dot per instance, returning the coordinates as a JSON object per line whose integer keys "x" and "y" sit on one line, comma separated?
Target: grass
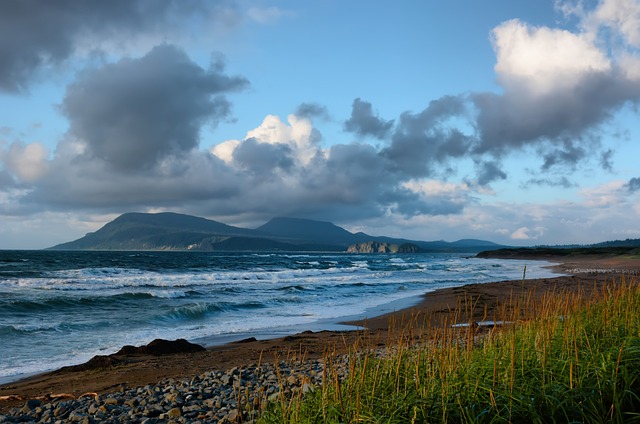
{"x": 568, "y": 357}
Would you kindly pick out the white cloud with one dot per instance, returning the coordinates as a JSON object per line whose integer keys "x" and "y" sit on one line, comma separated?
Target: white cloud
{"x": 525, "y": 233}
{"x": 225, "y": 150}
{"x": 630, "y": 66}
{"x": 544, "y": 59}
{"x": 297, "y": 133}
{"x": 435, "y": 187}
{"x": 27, "y": 161}
{"x": 605, "y": 195}
{"x": 621, "y": 15}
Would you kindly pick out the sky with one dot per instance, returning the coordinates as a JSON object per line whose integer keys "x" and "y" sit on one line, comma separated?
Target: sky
{"x": 514, "y": 122}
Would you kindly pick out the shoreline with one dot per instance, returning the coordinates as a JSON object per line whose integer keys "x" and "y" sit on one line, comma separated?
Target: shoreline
{"x": 211, "y": 334}
{"x": 432, "y": 309}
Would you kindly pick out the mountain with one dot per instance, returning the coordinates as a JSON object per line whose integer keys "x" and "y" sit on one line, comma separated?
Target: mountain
{"x": 173, "y": 231}
{"x": 161, "y": 231}
{"x": 307, "y": 229}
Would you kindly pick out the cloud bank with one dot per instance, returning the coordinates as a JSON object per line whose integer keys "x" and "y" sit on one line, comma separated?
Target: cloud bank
{"x": 40, "y": 35}
{"x": 135, "y": 124}
{"x": 148, "y": 109}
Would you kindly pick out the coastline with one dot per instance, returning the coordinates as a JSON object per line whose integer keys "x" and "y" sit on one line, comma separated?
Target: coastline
{"x": 432, "y": 310}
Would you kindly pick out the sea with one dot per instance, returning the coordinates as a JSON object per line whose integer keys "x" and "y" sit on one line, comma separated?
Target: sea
{"x": 60, "y": 308}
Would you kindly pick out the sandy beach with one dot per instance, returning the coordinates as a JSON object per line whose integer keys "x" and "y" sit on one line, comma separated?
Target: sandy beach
{"x": 433, "y": 311}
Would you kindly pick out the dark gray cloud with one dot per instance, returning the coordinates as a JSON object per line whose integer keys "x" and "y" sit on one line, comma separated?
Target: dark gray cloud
{"x": 74, "y": 184}
{"x": 365, "y": 123}
{"x": 408, "y": 204}
{"x": 35, "y": 34}
{"x": 634, "y": 184}
{"x": 488, "y": 172}
{"x": 263, "y": 159}
{"x": 519, "y": 118}
{"x": 561, "y": 181}
{"x": 312, "y": 110}
{"x": 606, "y": 160}
{"x": 6, "y": 180}
{"x": 345, "y": 183}
{"x": 566, "y": 152}
{"x": 422, "y": 142}
{"x": 134, "y": 113}
{"x": 563, "y": 126}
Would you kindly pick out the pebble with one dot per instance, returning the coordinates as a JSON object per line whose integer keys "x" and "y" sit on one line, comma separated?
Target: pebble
{"x": 235, "y": 395}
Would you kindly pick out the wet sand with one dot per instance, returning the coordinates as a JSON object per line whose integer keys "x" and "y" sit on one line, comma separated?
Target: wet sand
{"x": 434, "y": 311}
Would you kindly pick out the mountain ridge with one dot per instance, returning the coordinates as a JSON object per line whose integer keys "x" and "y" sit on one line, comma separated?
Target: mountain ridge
{"x": 174, "y": 231}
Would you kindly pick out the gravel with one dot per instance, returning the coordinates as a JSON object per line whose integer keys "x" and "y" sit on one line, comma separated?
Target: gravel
{"x": 231, "y": 396}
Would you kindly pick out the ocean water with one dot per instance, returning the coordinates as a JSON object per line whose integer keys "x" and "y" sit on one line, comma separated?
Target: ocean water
{"x": 61, "y": 308}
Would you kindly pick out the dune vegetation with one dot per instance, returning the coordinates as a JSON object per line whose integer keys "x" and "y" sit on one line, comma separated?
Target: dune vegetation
{"x": 561, "y": 357}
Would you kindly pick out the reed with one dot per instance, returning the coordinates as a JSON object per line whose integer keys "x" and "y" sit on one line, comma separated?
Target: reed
{"x": 562, "y": 357}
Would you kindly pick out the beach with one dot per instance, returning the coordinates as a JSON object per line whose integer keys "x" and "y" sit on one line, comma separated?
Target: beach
{"x": 433, "y": 310}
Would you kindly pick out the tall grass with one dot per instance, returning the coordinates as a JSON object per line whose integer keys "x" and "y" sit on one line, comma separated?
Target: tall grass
{"x": 567, "y": 357}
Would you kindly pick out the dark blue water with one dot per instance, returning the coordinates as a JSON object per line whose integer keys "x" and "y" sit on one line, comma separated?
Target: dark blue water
{"x": 60, "y": 308}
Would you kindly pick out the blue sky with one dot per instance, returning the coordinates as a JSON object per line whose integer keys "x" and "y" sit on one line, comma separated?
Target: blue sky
{"x": 514, "y": 122}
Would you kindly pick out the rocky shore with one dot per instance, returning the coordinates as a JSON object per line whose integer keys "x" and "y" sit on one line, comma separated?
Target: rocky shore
{"x": 236, "y": 395}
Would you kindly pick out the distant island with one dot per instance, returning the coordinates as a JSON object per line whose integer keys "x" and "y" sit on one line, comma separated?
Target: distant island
{"x": 178, "y": 232}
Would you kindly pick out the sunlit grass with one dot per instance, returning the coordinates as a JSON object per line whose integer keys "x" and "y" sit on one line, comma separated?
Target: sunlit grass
{"x": 568, "y": 357}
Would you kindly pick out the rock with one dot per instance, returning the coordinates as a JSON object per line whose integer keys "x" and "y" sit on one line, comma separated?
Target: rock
{"x": 60, "y": 411}
{"x": 174, "y": 413}
{"x": 234, "y": 416}
{"x": 383, "y": 247}
{"x": 160, "y": 347}
{"x": 97, "y": 362}
{"x": 210, "y": 397}
{"x": 30, "y": 405}
{"x": 76, "y": 416}
{"x": 247, "y": 340}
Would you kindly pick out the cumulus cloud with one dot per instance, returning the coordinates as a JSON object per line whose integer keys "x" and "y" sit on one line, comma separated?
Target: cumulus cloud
{"x": 148, "y": 108}
{"x": 423, "y": 141}
{"x": 559, "y": 90}
{"x": 298, "y": 134}
{"x": 559, "y": 87}
{"x": 278, "y": 169}
{"x": 37, "y": 35}
{"x": 364, "y": 122}
{"x": 263, "y": 158}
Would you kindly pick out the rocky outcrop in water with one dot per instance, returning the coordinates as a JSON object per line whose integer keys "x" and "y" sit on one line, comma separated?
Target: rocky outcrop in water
{"x": 383, "y": 247}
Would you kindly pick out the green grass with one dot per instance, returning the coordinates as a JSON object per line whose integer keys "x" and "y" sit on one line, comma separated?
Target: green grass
{"x": 570, "y": 358}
